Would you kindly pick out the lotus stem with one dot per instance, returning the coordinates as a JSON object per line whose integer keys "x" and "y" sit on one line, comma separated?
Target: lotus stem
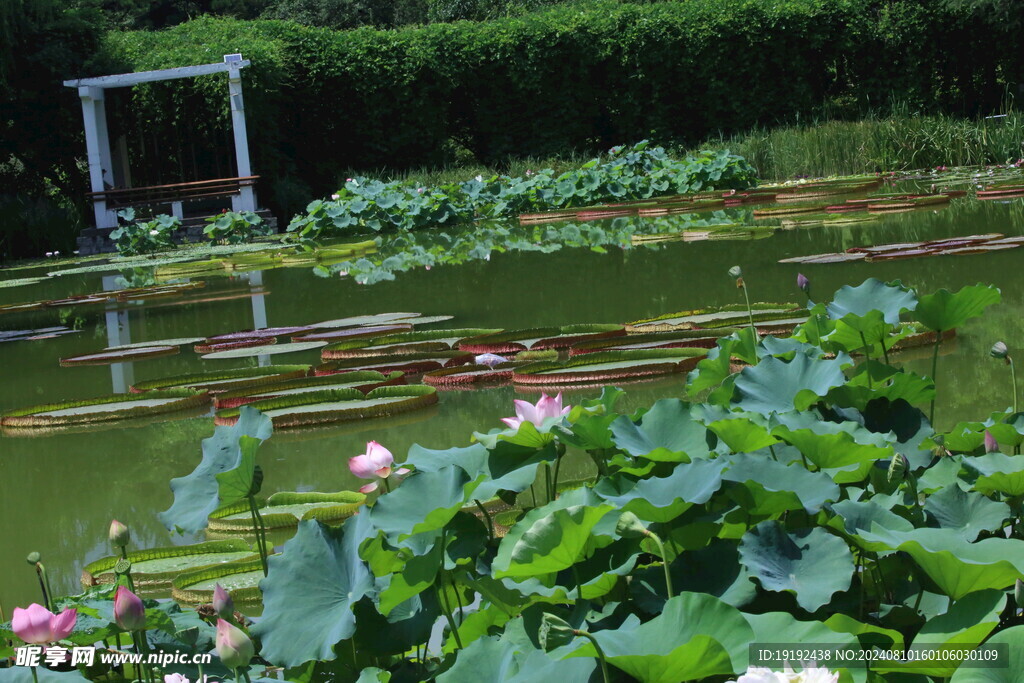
{"x": 558, "y": 468}
{"x": 256, "y": 532}
{"x": 750, "y": 311}
{"x": 487, "y": 516}
{"x": 41, "y": 575}
{"x": 263, "y": 533}
{"x": 600, "y": 653}
{"x": 547, "y": 482}
{"x": 935, "y": 364}
{"x": 458, "y": 600}
{"x": 387, "y": 485}
{"x": 35, "y": 676}
{"x": 1013, "y": 381}
{"x": 664, "y": 562}
{"x": 447, "y": 612}
{"x": 885, "y": 351}
{"x": 867, "y": 358}
{"x": 245, "y": 675}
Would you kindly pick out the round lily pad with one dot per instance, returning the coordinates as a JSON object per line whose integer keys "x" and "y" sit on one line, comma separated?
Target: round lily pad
{"x": 209, "y": 346}
{"x": 361, "y": 320}
{"x": 722, "y": 316}
{"x": 104, "y": 408}
{"x": 418, "y": 341}
{"x": 361, "y": 380}
{"x": 259, "y": 334}
{"x": 410, "y": 363}
{"x": 705, "y": 339}
{"x": 538, "y": 338}
{"x": 120, "y": 356}
{"x": 154, "y": 569}
{"x": 336, "y": 405}
{"x": 470, "y": 374}
{"x": 287, "y": 509}
{"x": 225, "y": 380}
{"x": 266, "y": 349}
{"x": 353, "y": 333}
{"x": 180, "y": 341}
{"x": 608, "y": 366}
{"x": 240, "y": 579}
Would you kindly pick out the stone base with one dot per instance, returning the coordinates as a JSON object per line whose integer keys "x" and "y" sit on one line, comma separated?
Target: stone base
{"x": 97, "y": 240}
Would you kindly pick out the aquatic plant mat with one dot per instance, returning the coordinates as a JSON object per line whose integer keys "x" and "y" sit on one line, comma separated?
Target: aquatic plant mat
{"x": 953, "y": 246}
{"x": 225, "y": 380}
{"x": 608, "y": 366}
{"x": 287, "y": 509}
{"x": 104, "y": 408}
{"x": 154, "y": 569}
{"x": 336, "y": 405}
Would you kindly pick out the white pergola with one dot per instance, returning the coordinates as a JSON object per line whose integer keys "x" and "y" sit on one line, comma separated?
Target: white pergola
{"x": 97, "y": 139}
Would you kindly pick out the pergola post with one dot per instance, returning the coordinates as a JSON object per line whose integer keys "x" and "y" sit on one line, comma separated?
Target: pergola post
{"x": 246, "y": 198}
{"x": 97, "y": 143}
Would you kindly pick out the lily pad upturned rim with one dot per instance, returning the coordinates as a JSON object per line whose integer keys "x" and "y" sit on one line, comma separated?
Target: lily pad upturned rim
{"x": 243, "y": 343}
{"x": 271, "y": 349}
{"x": 418, "y": 395}
{"x": 267, "y": 374}
{"x": 102, "y": 570}
{"x": 470, "y": 374}
{"x": 29, "y": 417}
{"x": 119, "y": 355}
{"x": 336, "y": 506}
{"x": 182, "y": 591}
{"x": 346, "y": 333}
{"x": 573, "y": 371}
{"x": 362, "y": 320}
{"x": 371, "y": 380}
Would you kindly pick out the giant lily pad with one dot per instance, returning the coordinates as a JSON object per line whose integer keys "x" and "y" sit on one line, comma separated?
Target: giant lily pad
{"x": 361, "y": 320}
{"x": 514, "y": 341}
{"x": 419, "y": 341}
{"x": 239, "y": 578}
{"x": 288, "y": 508}
{"x": 723, "y": 316}
{"x": 104, "y": 409}
{"x": 609, "y": 366}
{"x": 409, "y": 363}
{"x": 154, "y": 569}
{"x": 347, "y": 333}
{"x": 264, "y": 350}
{"x": 263, "y": 332}
{"x": 362, "y": 380}
{"x": 225, "y": 380}
{"x": 120, "y": 356}
{"x": 336, "y": 405}
{"x": 208, "y": 346}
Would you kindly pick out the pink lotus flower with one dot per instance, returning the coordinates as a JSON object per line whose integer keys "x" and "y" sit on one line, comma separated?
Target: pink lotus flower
{"x": 38, "y": 625}
{"x": 546, "y": 407}
{"x": 375, "y": 463}
{"x": 991, "y": 445}
{"x": 178, "y": 678}
{"x": 129, "y": 612}
{"x": 234, "y": 648}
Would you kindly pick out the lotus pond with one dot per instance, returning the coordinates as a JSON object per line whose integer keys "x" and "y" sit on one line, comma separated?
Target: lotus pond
{"x": 59, "y": 488}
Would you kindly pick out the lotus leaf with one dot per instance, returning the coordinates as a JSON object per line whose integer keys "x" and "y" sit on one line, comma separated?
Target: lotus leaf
{"x": 666, "y": 433}
{"x": 945, "y": 310}
{"x": 774, "y": 386}
{"x": 970, "y": 514}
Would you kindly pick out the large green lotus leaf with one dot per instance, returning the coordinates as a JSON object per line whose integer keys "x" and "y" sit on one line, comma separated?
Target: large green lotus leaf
{"x": 867, "y": 634}
{"x": 854, "y": 516}
{"x": 714, "y": 569}
{"x": 956, "y": 566}
{"x": 781, "y": 627}
{"x": 598, "y": 574}
{"x": 1006, "y": 427}
{"x": 477, "y": 625}
{"x": 835, "y": 450}
{"x": 890, "y": 299}
{"x": 310, "y": 591}
{"x": 491, "y": 659}
{"x": 24, "y": 674}
{"x": 660, "y": 499}
{"x": 696, "y": 636}
{"x": 712, "y": 371}
{"x": 813, "y": 563}
{"x": 373, "y": 675}
{"x": 966, "y": 513}
{"x": 588, "y": 431}
{"x": 887, "y": 382}
{"x": 772, "y": 487}
{"x": 997, "y": 472}
{"x": 945, "y": 310}
{"x": 408, "y": 578}
{"x": 944, "y": 472}
{"x": 198, "y": 495}
{"x": 235, "y": 484}
{"x": 1010, "y": 667}
{"x": 424, "y": 502}
{"x": 505, "y": 467}
{"x": 548, "y": 539}
{"x": 742, "y": 432}
{"x": 666, "y": 433}
{"x": 968, "y": 622}
{"x": 774, "y": 386}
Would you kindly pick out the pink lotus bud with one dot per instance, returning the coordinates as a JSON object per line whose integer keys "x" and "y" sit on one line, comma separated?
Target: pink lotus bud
{"x": 222, "y": 602}
{"x": 118, "y": 534}
{"x": 37, "y": 625}
{"x": 991, "y": 445}
{"x": 129, "y": 612}
{"x": 802, "y": 282}
{"x": 234, "y": 648}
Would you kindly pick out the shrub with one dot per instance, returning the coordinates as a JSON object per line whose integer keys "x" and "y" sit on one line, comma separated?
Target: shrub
{"x": 134, "y": 238}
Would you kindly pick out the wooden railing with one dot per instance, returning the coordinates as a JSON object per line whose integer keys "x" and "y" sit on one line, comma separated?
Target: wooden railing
{"x": 174, "y": 193}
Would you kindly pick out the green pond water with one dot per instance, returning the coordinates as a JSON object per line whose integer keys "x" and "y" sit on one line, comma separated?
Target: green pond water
{"x": 59, "y": 492}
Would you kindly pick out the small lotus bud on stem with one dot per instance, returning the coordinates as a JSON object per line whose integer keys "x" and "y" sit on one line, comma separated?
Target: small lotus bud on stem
{"x": 999, "y": 350}
{"x": 1018, "y": 593}
{"x": 991, "y": 445}
{"x": 118, "y": 534}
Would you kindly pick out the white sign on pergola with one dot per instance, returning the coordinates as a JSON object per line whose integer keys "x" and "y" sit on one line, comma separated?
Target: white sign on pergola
{"x": 97, "y": 139}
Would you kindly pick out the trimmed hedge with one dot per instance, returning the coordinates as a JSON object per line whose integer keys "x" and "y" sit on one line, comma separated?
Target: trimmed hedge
{"x": 572, "y": 77}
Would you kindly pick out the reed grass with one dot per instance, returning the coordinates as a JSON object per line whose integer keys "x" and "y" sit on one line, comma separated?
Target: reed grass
{"x": 892, "y": 143}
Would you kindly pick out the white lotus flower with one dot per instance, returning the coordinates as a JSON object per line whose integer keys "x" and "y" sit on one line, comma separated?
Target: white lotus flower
{"x": 811, "y": 673}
